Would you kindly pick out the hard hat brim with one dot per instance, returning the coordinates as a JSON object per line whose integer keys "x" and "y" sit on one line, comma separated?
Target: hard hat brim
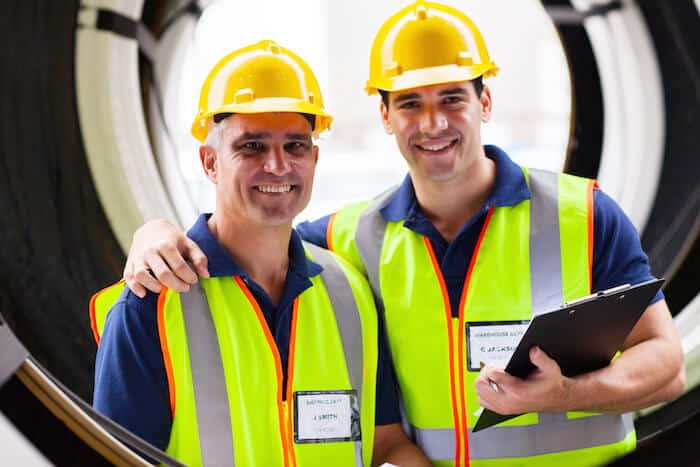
{"x": 274, "y": 104}
{"x": 429, "y": 76}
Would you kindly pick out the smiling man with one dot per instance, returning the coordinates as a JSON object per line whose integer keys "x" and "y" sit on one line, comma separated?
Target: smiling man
{"x": 276, "y": 359}
{"x": 471, "y": 238}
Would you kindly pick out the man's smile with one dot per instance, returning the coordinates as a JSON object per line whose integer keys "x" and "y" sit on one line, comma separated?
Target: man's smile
{"x": 284, "y": 188}
{"x": 436, "y": 146}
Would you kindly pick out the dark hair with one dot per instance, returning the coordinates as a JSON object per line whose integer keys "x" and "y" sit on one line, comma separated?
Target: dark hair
{"x": 478, "y": 87}
{"x": 309, "y": 117}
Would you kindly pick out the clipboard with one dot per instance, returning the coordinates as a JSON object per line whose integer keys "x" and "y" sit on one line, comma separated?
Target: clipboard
{"x": 582, "y": 336}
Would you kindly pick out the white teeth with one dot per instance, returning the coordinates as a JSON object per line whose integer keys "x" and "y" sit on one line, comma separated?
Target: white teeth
{"x": 274, "y": 188}
{"x": 434, "y": 147}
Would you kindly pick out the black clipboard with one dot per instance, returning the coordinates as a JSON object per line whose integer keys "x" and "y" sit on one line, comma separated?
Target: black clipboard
{"x": 582, "y": 335}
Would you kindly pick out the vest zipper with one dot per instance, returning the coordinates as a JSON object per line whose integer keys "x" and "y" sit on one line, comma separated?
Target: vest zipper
{"x": 461, "y": 364}
{"x": 288, "y": 404}
{"x": 287, "y": 435}
{"x": 460, "y": 433}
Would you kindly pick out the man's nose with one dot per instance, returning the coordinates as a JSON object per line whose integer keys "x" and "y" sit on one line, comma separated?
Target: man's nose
{"x": 432, "y": 121}
{"x": 277, "y": 162}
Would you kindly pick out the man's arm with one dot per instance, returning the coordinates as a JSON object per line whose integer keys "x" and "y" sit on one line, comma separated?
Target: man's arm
{"x": 392, "y": 445}
{"x": 648, "y": 371}
{"x": 160, "y": 251}
{"x": 131, "y": 387}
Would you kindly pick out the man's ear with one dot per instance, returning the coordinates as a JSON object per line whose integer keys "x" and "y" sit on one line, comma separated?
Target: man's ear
{"x": 207, "y": 156}
{"x": 486, "y": 104}
{"x": 384, "y": 112}
{"x": 315, "y": 152}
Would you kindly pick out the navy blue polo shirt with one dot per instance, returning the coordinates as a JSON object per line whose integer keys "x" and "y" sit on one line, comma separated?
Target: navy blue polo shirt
{"x": 131, "y": 385}
{"x": 617, "y": 252}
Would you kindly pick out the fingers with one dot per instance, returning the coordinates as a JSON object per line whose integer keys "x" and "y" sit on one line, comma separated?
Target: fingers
{"x": 541, "y": 360}
{"x": 131, "y": 281}
{"x": 489, "y": 394}
{"x": 176, "y": 263}
{"x": 143, "y": 275}
{"x": 156, "y": 266}
{"x": 197, "y": 257}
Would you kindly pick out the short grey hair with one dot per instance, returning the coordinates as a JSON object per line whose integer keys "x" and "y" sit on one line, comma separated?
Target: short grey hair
{"x": 213, "y": 139}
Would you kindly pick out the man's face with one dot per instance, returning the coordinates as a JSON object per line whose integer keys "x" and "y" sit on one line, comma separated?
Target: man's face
{"x": 263, "y": 167}
{"x": 437, "y": 128}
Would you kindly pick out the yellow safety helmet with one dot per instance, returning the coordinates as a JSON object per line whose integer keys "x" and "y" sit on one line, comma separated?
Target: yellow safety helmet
{"x": 427, "y": 43}
{"x": 263, "y": 77}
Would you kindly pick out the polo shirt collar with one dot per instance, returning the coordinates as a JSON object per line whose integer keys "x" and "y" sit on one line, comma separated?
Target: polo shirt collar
{"x": 510, "y": 188}
{"x": 220, "y": 263}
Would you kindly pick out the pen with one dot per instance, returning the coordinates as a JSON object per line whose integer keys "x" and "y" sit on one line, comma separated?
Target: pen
{"x": 492, "y": 383}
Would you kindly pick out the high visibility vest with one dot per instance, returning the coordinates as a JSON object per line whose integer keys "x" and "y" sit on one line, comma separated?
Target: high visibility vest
{"x": 529, "y": 258}
{"x": 225, "y": 376}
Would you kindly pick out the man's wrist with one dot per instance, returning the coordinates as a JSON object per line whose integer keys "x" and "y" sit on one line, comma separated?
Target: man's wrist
{"x": 568, "y": 390}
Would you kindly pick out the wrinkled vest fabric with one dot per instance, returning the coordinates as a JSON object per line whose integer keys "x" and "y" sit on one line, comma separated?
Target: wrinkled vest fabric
{"x": 529, "y": 258}
{"x": 225, "y": 376}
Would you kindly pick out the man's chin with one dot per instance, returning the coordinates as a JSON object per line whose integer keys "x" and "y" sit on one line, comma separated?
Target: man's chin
{"x": 273, "y": 217}
{"x": 438, "y": 173}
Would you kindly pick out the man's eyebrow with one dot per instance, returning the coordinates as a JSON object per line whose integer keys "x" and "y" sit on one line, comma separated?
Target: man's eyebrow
{"x": 251, "y": 136}
{"x": 298, "y": 137}
{"x": 451, "y": 91}
{"x": 406, "y": 97}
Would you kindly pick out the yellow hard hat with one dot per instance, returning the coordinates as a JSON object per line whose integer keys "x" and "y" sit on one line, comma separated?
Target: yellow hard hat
{"x": 263, "y": 77}
{"x": 427, "y": 43}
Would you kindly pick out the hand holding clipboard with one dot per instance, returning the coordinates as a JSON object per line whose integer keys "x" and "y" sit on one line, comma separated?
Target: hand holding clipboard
{"x": 581, "y": 336}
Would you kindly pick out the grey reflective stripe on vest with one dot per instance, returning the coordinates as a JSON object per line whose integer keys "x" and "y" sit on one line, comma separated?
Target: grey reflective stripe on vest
{"x": 210, "y": 396}
{"x": 369, "y": 239}
{"x": 347, "y": 317}
{"x": 545, "y": 253}
{"x": 545, "y": 249}
{"x": 529, "y": 440}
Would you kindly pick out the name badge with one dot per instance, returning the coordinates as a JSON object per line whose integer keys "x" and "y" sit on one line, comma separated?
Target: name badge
{"x": 492, "y": 343}
{"x": 326, "y": 416}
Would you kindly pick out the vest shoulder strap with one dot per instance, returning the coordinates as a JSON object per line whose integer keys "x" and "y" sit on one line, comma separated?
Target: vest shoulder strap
{"x": 208, "y": 380}
{"x": 545, "y": 249}
{"x": 369, "y": 239}
{"x": 345, "y": 308}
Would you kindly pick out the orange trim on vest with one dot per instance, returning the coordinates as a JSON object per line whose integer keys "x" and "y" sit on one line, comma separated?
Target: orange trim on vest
{"x": 290, "y": 376}
{"x": 448, "y": 319}
{"x": 164, "y": 347}
{"x": 462, "y": 302}
{"x": 592, "y": 184}
{"x": 278, "y": 365}
{"x": 93, "y": 317}
{"x": 329, "y": 232}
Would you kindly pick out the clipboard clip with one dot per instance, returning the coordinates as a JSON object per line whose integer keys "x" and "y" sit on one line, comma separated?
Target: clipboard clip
{"x": 602, "y": 293}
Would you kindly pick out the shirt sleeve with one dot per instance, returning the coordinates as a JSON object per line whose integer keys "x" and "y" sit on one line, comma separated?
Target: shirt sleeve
{"x": 618, "y": 257}
{"x": 387, "y": 410}
{"x": 131, "y": 387}
{"x": 314, "y": 231}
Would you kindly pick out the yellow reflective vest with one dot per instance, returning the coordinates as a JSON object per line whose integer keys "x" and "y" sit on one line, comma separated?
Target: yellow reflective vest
{"x": 529, "y": 258}
{"x": 225, "y": 376}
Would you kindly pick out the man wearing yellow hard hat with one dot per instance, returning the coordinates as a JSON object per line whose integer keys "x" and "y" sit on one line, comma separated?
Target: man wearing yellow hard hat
{"x": 472, "y": 239}
{"x": 276, "y": 359}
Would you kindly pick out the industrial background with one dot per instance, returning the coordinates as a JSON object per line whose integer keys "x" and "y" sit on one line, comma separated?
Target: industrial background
{"x": 92, "y": 144}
